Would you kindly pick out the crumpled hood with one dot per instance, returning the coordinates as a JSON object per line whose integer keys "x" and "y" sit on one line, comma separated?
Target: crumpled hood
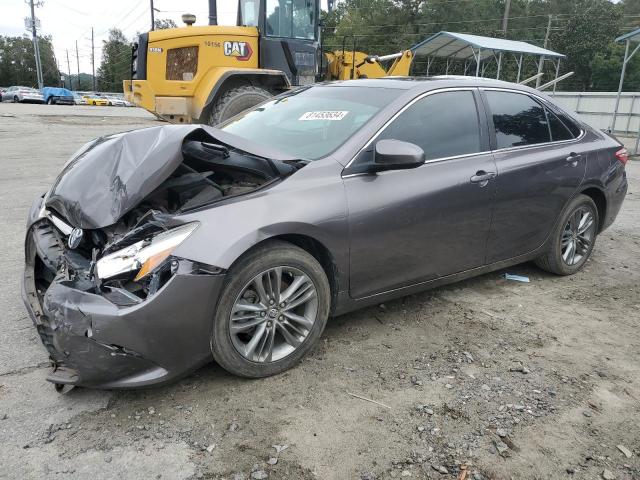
{"x": 111, "y": 175}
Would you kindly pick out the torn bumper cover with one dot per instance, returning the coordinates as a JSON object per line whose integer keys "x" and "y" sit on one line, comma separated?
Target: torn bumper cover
{"x": 113, "y": 304}
{"x": 101, "y": 341}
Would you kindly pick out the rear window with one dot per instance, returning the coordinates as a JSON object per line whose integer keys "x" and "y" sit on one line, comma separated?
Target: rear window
{"x": 518, "y": 119}
{"x": 311, "y": 122}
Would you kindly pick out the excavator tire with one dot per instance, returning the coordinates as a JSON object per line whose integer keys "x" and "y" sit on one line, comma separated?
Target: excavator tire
{"x": 235, "y": 101}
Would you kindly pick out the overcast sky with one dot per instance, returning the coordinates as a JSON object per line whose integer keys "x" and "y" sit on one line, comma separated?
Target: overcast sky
{"x": 70, "y": 20}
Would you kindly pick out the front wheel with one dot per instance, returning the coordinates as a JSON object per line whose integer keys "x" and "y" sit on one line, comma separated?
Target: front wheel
{"x": 235, "y": 101}
{"x": 15, "y": 99}
{"x": 573, "y": 238}
{"x": 271, "y": 312}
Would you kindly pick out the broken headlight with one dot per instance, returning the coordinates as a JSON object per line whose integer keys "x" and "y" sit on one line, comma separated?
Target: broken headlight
{"x": 143, "y": 256}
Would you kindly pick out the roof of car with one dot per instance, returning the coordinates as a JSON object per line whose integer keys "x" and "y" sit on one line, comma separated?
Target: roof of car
{"x": 423, "y": 83}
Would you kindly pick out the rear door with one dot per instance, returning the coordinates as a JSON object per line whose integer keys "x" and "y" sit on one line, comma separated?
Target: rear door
{"x": 410, "y": 226}
{"x": 540, "y": 166}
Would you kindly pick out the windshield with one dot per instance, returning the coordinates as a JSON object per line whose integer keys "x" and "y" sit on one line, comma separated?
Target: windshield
{"x": 311, "y": 122}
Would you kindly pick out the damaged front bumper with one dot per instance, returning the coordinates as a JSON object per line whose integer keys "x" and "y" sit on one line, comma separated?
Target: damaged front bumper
{"x": 102, "y": 339}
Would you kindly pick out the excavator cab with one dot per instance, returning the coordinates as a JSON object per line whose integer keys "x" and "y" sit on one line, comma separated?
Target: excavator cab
{"x": 289, "y": 38}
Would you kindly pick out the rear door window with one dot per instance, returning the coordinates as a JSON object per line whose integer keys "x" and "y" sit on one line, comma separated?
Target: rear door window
{"x": 518, "y": 119}
{"x": 558, "y": 129}
{"x": 443, "y": 124}
{"x": 573, "y": 127}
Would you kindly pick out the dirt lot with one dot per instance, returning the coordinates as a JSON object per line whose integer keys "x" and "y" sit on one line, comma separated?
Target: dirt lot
{"x": 504, "y": 379}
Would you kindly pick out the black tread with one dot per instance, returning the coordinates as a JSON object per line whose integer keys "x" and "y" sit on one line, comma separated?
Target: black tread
{"x": 234, "y": 101}
{"x": 271, "y": 253}
{"x": 551, "y": 261}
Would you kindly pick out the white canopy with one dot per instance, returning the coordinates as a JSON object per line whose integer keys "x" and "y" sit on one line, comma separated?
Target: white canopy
{"x": 464, "y": 46}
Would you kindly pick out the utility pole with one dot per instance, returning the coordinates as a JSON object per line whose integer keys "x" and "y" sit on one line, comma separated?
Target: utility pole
{"x": 36, "y": 46}
{"x": 69, "y": 70}
{"x": 78, "y": 63}
{"x": 505, "y": 19}
{"x": 153, "y": 21}
{"x": 93, "y": 61}
{"x": 541, "y": 61}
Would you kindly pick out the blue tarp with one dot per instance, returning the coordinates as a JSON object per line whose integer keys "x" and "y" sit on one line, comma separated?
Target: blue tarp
{"x": 55, "y": 92}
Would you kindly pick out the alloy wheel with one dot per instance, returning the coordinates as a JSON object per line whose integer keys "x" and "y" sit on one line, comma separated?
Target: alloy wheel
{"x": 273, "y": 314}
{"x": 577, "y": 236}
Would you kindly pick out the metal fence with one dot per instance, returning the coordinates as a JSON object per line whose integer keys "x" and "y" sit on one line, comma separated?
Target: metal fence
{"x": 596, "y": 108}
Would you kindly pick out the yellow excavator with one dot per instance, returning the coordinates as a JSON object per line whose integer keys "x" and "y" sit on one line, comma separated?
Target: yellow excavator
{"x": 206, "y": 74}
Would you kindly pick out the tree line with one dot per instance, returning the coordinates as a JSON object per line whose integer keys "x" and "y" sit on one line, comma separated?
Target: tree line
{"x": 18, "y": 65}
{"x": 583, "y": 30}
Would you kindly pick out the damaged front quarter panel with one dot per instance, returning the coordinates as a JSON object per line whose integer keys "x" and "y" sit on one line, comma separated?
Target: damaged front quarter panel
{"x": 117, "y": 192}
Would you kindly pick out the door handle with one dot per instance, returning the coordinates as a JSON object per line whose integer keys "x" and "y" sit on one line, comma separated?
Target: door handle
{"x": 573, "y": 158}
{"x": 482, "y": 177}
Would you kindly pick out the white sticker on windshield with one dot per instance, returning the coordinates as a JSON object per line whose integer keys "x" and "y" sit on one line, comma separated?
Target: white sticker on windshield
{"x": 324, "y": 115}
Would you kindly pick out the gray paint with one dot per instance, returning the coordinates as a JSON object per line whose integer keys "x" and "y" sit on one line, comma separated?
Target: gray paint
{"x": 388, "y": 234}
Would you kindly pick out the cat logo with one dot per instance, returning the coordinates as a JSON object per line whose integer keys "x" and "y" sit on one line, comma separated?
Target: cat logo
{"x": 241, "y": 50}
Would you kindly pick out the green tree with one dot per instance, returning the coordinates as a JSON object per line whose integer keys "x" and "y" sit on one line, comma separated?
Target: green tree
{"x": 164, "y": 23}
{"x": 587, "y": 35}
{"x": 18, "y": 64}
{"x": 583, "y": 30}
{"x": 116, "y": 62}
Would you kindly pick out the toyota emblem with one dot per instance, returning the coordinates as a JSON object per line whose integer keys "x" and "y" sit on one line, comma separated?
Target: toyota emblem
{"x": 75, "y": 237}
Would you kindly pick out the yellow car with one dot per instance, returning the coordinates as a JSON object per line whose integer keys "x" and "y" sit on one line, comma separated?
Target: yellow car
{"x": 95, "y": 100}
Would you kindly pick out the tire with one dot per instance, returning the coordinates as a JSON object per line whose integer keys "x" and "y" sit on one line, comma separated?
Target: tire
{"x": 555, "y": 260}
{"x": 242, "y": 276}
{"x": 49, "y": 101}
{"x": 235, "y": 101}
{"x": 94, "y": 104}
{"x": 15, "y": 99}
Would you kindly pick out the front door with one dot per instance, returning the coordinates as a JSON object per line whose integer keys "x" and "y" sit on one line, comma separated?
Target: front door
{"x": 410, "y": 226}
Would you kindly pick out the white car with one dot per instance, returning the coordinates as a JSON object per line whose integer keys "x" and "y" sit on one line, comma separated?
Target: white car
{"x": 22, "y": 94}
{"x": 115, "y": 101}
{"x": 78, "y": 100}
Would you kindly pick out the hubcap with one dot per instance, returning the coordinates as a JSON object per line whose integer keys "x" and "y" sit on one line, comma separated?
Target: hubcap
{"x": 577, "y": 236}
{"x": 273, "y": 314}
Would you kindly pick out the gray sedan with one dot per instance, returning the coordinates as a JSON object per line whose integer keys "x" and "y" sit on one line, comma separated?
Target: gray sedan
{"x": 22, "y": 94}
{"x": 158, "y": 250}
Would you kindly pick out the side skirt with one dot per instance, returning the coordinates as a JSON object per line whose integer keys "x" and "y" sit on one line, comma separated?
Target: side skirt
{"x": 345, "y": 304}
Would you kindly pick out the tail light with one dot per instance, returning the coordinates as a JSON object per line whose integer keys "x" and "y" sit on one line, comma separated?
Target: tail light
{"x": 622, "y": 155}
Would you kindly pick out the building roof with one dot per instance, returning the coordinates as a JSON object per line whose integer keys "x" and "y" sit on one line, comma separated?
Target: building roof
{"x": 633, "y": 36}
{"x": 461, "y": 46}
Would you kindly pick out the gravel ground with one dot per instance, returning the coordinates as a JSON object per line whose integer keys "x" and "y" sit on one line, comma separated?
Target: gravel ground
{"x": 484, "y": 379}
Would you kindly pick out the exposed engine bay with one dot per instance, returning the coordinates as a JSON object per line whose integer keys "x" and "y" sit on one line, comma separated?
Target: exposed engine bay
{"x": 129, "y": 259}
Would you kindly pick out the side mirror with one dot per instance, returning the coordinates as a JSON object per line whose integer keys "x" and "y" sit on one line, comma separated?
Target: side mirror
{"x": 397, "y": 155}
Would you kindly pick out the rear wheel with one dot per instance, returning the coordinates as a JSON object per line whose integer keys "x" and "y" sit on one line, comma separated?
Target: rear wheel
{"x": 50, "y": 101}
{"x": 573, "y": 238}
{"x": 235, "y": 101}
{"x": 271, "y": 312}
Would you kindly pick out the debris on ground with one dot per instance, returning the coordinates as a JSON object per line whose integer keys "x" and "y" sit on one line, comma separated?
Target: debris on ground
{"x": 516, "y": 278}
{"x": 626, "y": 452}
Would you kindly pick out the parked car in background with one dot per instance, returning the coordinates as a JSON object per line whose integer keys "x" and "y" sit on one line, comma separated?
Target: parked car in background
{"x": 78, "y": 99}
{"x": 57, "y": 96}
{"x": 114, "y": 101}
{"x": 160, "y": 249}
{"x": 94, "y": 99}
{"x": 22, "y": 94}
